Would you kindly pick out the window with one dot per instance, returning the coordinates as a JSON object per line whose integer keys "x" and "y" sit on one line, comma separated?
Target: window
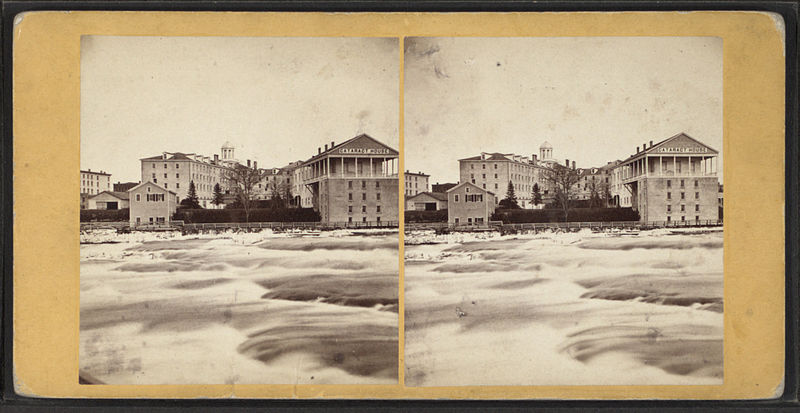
{"x": 484, "y": 186}
{"x": 138, "y": 199}
{"x": 456, "y": 198}
{"x": 349, "y": 219}
{"x": 483, "y": 166}
{"x": 495, "y": 167}
{"x": 697, "y": 217}
{"x": 363, "y": 196}
{"x": 697, "y": 195}
{"x": 165, "y": 166}
{"x": 669, "y": 195}
{"x": 696, "y": 183}
{"x": 681, "y": 183}
{"x": 471, "y": 166}
{"x": 473, "y": 181}
{"x": 177, "y": 166}
{"x": 378, "y": 219}
{"x": 177, "y": 185}
{"x": 683, "y": 208}
{"x": 349, "y": 184}
{"x": 467, "y": 189}
{"x": 166, "y": 185}
{"x": 378, "y": 209}
{"x": 495, "y": 186}
{"x": 697, "y": 208}
{"x": 154, "y": 165}
{"x": 154, "y": 176}
{"x": 456, "y": 220}
{"x": 469, "y": 221}
{"x": 378, "y": 195}
{"x": 160, "y": 220}
{"x": 363, "y": 208}
{"x": 363, "y": 219}
{"x": 378, "y": 185}
{"x": 138, "y": 219}
{"x": 495, "y": 176}
{"x": 177, "y": 176}
{"x": 155, "y": 180}
{"x": 683, "y": 195}
{"x": 349, "y": 209}
{"x": 363, "y": 184}
{"x": 165, "y": 176}
{"x": 669, "y": 208}
{"x": 683, "y": 218}
{"x": 151, "y": 220}
{"x": 669, "y": 219}
{"x": 350, "y": 196}
{"x": 669, "y": 183}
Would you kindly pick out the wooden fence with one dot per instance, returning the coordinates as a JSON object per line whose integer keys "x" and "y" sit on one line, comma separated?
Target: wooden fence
{"x": 563, "y": 225}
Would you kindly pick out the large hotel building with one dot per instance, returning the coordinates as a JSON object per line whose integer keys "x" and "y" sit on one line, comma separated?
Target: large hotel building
{"x": 672, "y": 180}
{"x": 354, "y": 181}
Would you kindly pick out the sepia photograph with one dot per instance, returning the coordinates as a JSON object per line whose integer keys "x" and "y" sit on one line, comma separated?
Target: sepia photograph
{"x": 239, "y": 210}
{"x": 563, "y": 211}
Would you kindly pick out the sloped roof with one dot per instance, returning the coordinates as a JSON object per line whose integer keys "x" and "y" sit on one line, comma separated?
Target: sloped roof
{"x": 441, "y": 196}
{"x": 546, "y": 145}
{"x": 672, "y": 139}
{"x": 95, "y": 172}
{"x": 472, "y": 185}
{"x": 117, "y": 194}
{"x": 150, "y": 183}
{"x": 494, "y": 156}
{"x": 177, "y": 156}
{"x": 360, "y": 141}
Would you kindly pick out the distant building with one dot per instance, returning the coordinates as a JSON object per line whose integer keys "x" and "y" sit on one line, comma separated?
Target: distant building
{"x": 109, "y": 200}
{"x": 415, "y": 182}
{"x": 672, "y": 180}
{"x": 92, "y": 183}
{"x": 124, "y": 186}
{"x": 426, "y": 201}
{"x": 441, "y": 188}
{"x": 494, "y": 171}
{"x": 151, "y": 204}
{"x": 469, "y": 204}
{"x": 354, "y": 181}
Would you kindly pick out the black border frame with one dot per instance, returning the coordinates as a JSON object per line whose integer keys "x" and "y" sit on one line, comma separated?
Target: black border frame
{"x": 787, "y": 9}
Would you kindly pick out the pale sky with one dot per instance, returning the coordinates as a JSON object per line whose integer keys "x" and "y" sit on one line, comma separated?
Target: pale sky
{"x": 275, "y": 99}
{"x": 594, "y": 99}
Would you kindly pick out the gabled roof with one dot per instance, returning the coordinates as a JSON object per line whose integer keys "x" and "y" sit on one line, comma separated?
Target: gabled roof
{"x": 441, "y": 196}
{"x": 472, "y": 185}
{"x": 360, "y": 142}
{"x": 495, "y": 156}
{"x": 96, "y": 173}
{"x": 150, "y": 183}
{"x": 682, "y": 139}
{"x": 546, "y": 145}
{"x": 116, "y": 194}
{"x": 177, "y": 156}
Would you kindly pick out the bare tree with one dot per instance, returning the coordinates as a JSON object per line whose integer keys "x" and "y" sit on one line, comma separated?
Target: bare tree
{"x": 242, "y": 182}
{"x": 562, "y": 181}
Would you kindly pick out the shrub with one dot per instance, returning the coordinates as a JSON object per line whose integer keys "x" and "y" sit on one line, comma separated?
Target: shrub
{"x": 519, "y": 216}
{"x": 203, "y": 216}
{"x": 105, "y": 215}
{"x": 426, "y": 216}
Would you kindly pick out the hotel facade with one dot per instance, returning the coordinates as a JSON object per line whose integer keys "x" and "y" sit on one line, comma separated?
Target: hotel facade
{"x": 354, "y": 181}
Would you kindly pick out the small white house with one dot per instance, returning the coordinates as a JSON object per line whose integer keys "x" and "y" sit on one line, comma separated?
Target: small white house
{"x": 151, "y": 204}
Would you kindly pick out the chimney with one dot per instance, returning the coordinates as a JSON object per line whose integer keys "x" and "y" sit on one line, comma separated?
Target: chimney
{"x": 248, "y": 163}
{"x": 255, "y": 165}
{"x": 567, "y": 162}
{"x": 319, "y": 150}
{"x": 573, "y": 164}
{"x": 326, "y": 147}
{"x": 216, "y": 158}
{"x": 331, "y": 144}
{"x": 644, "y": 146}
{"x": 163, "y": 155}
{"x": 651, "y": 144}
{"x": 483, "y": 156}
{"x": 534, "y": 158}
{"x": 90, "y": 169}
{"x": 637, "y": 149}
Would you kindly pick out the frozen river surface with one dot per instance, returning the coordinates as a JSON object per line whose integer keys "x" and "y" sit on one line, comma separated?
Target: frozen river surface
{"x": 239, "y": 308}
{"x": 567, "y": 308}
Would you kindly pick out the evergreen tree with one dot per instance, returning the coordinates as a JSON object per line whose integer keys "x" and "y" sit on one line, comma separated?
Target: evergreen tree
{"x": 191, "y": 201}
{"x": 537, "y": 195}
{"x": 510, "y": 200}
{"x": 218, "y": 198}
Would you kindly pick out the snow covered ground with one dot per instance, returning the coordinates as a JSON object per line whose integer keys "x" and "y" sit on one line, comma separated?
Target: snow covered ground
{"x": 558, "y": 308}
{"x": 238, "y": 307}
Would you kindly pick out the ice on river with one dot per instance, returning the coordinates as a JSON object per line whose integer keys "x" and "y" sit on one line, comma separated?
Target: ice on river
{"x": 564, "y": 308}
{"x": 231, "y": 308}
